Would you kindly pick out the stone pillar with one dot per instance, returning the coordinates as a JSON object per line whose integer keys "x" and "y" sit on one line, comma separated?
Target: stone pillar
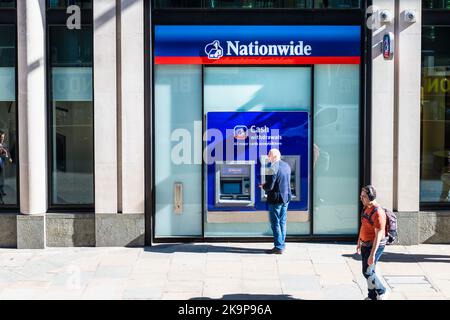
{"x": 407, "y": 106}
{"x": 105, "y": 106}
{"x": 119, "y": 122}
{"x": 408, "y": 74}
{"x": 132, "y": 106}
{"x": 32, "y": 123}
{"x": 382, "y": 125}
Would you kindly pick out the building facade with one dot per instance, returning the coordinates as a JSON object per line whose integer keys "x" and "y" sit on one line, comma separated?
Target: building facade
{"x": 110, "y": 113}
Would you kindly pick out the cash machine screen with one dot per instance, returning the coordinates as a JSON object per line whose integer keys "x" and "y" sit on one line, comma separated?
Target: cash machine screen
{"x": 235, "y": 184}
{"x": 231, "y": 187}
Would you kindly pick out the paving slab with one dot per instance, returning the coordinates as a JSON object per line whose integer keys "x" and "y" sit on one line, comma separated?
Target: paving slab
{"x": 222, "y": 284}
{"x": 343, "y": 292}
{"x": 30, "y": 284}
{"x": 302, "y": 256}
{"x": 412, "y": 296}
{"x": 328, "y": 280}
{"x": 111, "y": 260}
{"x": 326, "y": 258}
{"x": 145, "y": 283}
{"x": 397, "y": 296}
{"x": 436, "y": 269}
{"x": 414, "y": 288}
{"x": 295, "y": 267}
{"x": 260, "y": 275}
{"x": 306, "y": 295}
{"x": 398, "y": 268}
{"x": 19, "y": 294}
{"x": 8, "y": 276}
{"x": 255, "y": 285}
{"x": 182, "y": 296}
{"x": 179, "y": 274}
{"x": 224, "y": 269}
{"x": 221, "y": 256}
{"x": 113, "y": 272}
{"x": 300, "y": 283}
{"x": 138, "y": 293}
{"x": 103, "y": 289}
{"x": 55, "y": 293}
{"x": 184, "y": 286}
{"x": 332, "y": 269}
{"x": 151, "y": 267}
{"x": 12, "y": 259}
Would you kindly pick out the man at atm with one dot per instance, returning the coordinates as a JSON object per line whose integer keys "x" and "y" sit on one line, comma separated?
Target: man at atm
{"x": 278, "y": 189}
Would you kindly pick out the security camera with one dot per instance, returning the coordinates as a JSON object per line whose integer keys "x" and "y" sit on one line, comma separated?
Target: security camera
{"x": 385, "y": 16}
{"x": 410, "y": 16}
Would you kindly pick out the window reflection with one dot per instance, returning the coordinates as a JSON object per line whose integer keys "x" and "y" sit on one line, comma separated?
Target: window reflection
{"x": 435, "y": 115}
{"x": 8, "y": 127}
{"x": 436, "y": 4}
{"x": 56, "y": 4}
{"x": 257, "y": 4}
{"x": 336, "y": 148}
{"x": 71, "y": 116}
{"x": 7, "y": 3}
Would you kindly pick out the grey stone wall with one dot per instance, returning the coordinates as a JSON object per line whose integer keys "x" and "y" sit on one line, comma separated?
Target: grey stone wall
{"x": 408, "y": 228}
{"x": 119, "y": 230}
{"x": 31, "y": 231}
{"x": 8, "y": 230}
{"x": 70, "y": 230}
{"x": 434, "y": 227}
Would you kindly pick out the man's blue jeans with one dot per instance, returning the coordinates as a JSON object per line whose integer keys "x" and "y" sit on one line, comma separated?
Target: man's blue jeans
{"x": 374, "y": 284}
{"x": 278, "y": 215}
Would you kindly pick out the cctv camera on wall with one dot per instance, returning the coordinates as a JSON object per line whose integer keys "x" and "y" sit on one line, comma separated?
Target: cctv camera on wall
{"x": 385, "y": 16}
{"x": 410, "y": 16}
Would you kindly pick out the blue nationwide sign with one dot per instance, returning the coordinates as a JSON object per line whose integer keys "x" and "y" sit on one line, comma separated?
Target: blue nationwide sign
{"x": 257, "y": 44}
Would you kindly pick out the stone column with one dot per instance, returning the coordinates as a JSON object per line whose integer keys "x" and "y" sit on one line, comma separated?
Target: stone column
{"x": 119, "y": 122}
{"x": 408, "y": 71}
{"x": 407, "y": 160}
{"x": 32, "y": 123}
{"x": 105, "y": 107}
{"x": 383, "y": 111}
{"x": 132, "y": 106}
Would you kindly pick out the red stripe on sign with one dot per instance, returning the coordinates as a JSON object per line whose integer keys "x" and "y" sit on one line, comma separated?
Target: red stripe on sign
{"x": 258, "y": 60}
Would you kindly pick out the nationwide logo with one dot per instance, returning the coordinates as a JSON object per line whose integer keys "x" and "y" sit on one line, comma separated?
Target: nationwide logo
{"x": 214, "y": 50}
{"x": 240, "y": 132}
{"x": 235, "y": 48}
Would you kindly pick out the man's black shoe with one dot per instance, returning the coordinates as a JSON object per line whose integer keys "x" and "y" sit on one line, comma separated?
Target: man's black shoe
{"x": 274, "y": 251}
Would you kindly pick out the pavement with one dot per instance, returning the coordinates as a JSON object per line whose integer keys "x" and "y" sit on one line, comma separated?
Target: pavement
{"x": 319, "y": 271}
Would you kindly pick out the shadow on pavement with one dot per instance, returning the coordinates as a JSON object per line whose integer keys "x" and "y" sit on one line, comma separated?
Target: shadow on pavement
{"x": 200, "y": 248}
{"x": 242, "y": 296}
{"x": 407, "y": 258}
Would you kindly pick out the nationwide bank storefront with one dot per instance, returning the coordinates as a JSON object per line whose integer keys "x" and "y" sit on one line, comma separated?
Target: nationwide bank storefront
{"x": 228, "y": 90}
{"x": 134, "y": 122}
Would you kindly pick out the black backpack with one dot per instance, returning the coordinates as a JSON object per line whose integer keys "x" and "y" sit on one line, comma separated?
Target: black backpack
{"x": 391, "y": 224}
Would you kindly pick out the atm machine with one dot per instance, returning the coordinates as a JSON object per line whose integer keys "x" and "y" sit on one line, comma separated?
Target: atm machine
{"x": 235, "y": 183}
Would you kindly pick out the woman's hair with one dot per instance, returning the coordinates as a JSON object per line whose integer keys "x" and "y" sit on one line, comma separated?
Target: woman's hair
{"x": 2, "y": 132}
